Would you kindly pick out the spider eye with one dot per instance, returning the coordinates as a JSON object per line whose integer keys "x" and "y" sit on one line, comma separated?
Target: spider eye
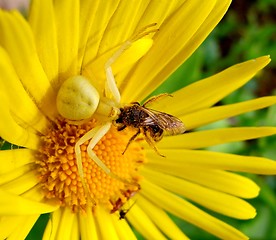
{"x": 77, "y": 99}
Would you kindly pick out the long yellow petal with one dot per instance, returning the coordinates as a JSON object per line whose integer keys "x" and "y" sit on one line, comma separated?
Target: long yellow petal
{"x": 22, "y": 107}
{"x": 140, "y": 220}
{"x": 205, "y": 93}
{"x": 21, "y": 184}
{"x": 205, "y": 116}
{"x": 202, "y": 139}
{"x": 219, "y": 180}
{"x": 103, "y": 14}
{"x": 11, "y": 131}
{"x": 105, "y": 225}
{"x": 13, "y": 159}
{"x": 178, "y": 39}
{"x": 67, "y": 24}
{"x": 185, "y": 210}
{"x": 215, "y": 160}
{"x": 41, "y": 17}
{"x": 161, "y": 219}
{"x": 95, "y": 70}
{"x": 16, "y": 227}
{"x": 24, "y": 228}
{"x": 216, "y": 201}
{"x": 11, "y": 204}
{"x": 123, "y": 229}
{"x": 87, "y": 225}
{"x": 51, "y": 229}
{"x": 122, "y": 24}
{"x": 16, "y": 173}
{"x": 131, "y": 16}
{"x": 18, "y": 41}
{"x": 75, "y": 231}
{"x": 88, "y": 13}
{"x": 65, "y": 225}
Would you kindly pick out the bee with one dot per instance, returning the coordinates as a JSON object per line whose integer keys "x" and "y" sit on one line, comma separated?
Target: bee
{"x": 151, "y": 123}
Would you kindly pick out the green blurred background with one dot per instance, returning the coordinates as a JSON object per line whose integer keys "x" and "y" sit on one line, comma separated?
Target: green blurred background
{"x": 247, "y": 31}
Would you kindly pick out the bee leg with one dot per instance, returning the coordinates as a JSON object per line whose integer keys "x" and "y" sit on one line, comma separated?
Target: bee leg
{"x": 152, "y": 143}
{"x": 155, "y": 98}
{"x": 120, "y": 128}
{"x": 130, "y": 140}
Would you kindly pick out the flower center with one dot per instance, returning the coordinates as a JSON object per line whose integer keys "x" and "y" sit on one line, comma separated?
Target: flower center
{"x": 59, "y": 174}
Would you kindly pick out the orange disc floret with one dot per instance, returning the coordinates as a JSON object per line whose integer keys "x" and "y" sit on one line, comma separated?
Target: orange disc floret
{"x": 59, "y": 174}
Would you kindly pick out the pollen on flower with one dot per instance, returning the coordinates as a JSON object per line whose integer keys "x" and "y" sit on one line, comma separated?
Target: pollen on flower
{"x": 59, "y": 174}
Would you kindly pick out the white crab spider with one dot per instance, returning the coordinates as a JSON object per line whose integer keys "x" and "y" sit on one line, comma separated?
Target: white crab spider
{"x": 78, "y": 100}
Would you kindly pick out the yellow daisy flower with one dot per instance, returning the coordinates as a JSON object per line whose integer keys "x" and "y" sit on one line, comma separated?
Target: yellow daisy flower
{"x": 100, "y": 193}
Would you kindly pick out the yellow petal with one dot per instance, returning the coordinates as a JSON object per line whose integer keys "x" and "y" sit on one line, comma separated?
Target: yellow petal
{"x": 219, "y": 180}
{"x": 213, "y": 137}
{"x": 216, "y": 160}
{"x": 51, "y": 229}
{"x": 103, "y": 13}
{"x": 21, "y": 105}
{"x": 37, "y": 195}
{"x": 140, "y": 220}
{"x": 11, "y": 204}
{"x": 123, "y": 229}
{"x": 88, "y": 228}
{"x": 10, "y": 176}
{"x": 13, "y": 159}
{"x": 65, "y": 225}
{"x": 17, "y": 39}
{"x": 119, "y": 20}
{"x": 11, "y": 131}
{"x": 205, "y": 116}
{"x": 41, "y": 17}
{"x": 67, "y": 24}
{"x": 122, "y": 24}
{"x": 205, "y": 93}
{"x": 105, "y": 226}
{"x": 16, "y": 227}
{"x": 161, "y": 219}
{"x": 214, "y": 200}
{"x": 95, "y": 69}
{"x": 178, "y": 38}
{"x": 88, "y": 13}
{"x": 185, "y": 210}
{"x": 21, "y": 184}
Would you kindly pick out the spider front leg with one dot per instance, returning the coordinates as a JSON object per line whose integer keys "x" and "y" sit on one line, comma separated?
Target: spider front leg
{"x": 110, "y": 85}
{"x": 96, "y": 134}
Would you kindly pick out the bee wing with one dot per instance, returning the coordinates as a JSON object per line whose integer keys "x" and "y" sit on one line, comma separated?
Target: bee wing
{"x": 170, "y": 124}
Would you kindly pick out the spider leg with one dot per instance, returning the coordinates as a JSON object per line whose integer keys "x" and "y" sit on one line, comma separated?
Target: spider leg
{"x": 110, "y": 85}
{"x": 78, "y": 144}
{"x": 101, "y": 132}
{"x": 95, "y": 135}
